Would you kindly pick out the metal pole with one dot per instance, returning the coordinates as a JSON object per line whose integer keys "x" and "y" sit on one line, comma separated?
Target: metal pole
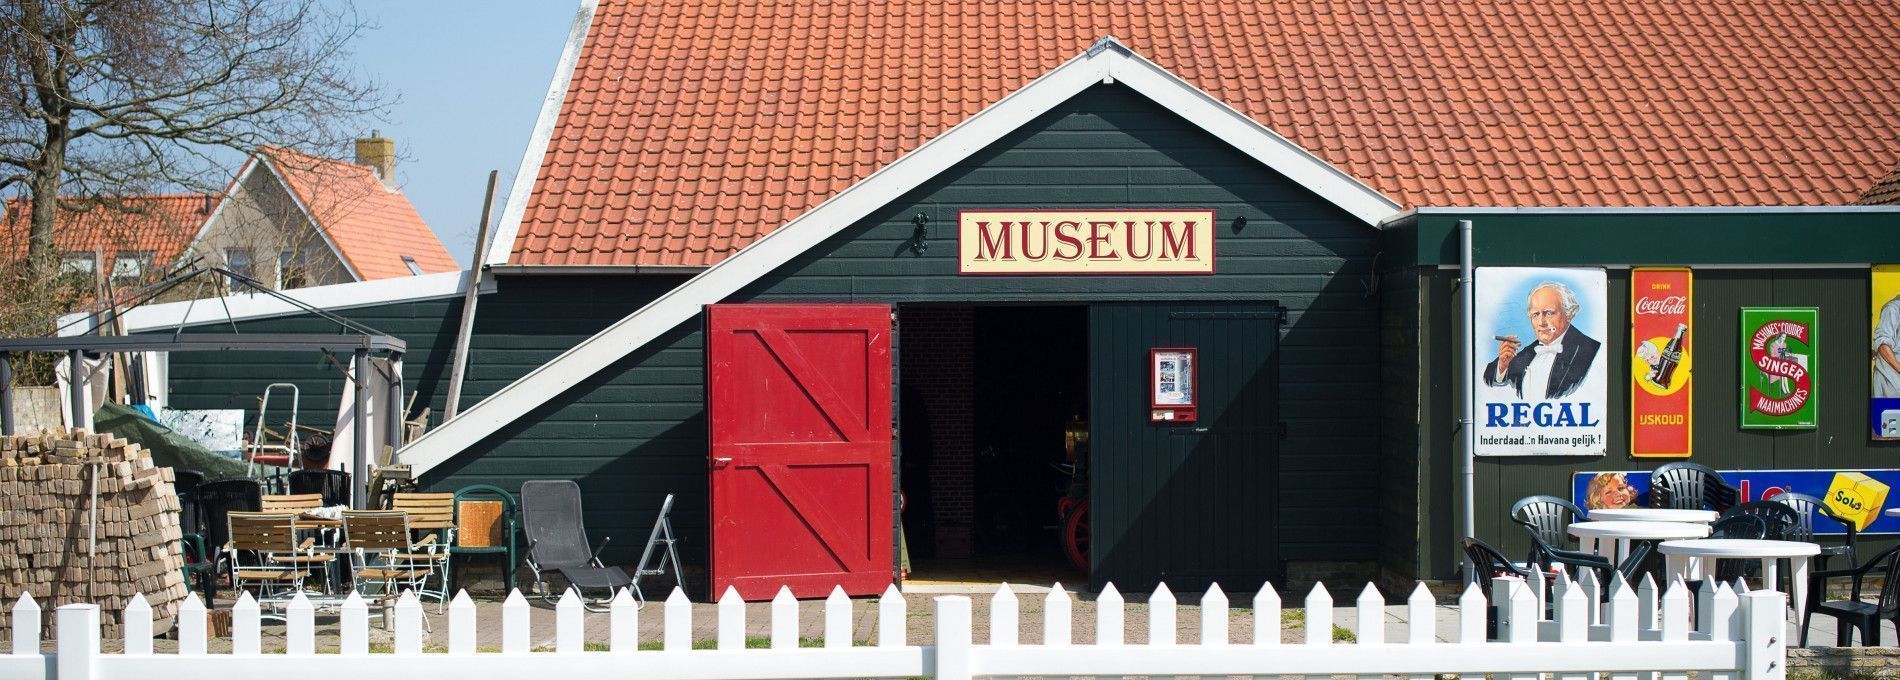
{"x": 1468, "y": 374}
{"x": 6, "y": 393}
{"x": 459, "y": 361}
{"x": 395, "y": 416}
{"x": 75, "y": 383}
{"x": 359, "y": 460}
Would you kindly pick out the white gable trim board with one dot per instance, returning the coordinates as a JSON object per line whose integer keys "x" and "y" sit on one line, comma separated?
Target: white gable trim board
{"x": 516, "y": 205}
{"x": 1108, "y": 61}
{"x": 252, "y": 306}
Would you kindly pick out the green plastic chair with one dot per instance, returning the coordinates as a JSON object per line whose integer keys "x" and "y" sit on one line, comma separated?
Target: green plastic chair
{"x": 490, "y": 492}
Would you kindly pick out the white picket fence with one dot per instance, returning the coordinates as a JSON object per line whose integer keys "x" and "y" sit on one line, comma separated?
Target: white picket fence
{"x": 1635, "y": 634}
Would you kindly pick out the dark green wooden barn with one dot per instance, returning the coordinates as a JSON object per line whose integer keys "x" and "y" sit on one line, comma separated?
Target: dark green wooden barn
{"x": 1314, "y": 437}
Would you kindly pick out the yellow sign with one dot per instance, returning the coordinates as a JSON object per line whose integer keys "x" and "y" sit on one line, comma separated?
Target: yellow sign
{"x": 1086, "y": 241}
{"x": 1856, "y": 498}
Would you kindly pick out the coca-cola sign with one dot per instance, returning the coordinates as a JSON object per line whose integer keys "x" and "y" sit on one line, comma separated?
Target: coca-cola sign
{"x": 1671, "y": 305}
{"x": 1661, "y": 362}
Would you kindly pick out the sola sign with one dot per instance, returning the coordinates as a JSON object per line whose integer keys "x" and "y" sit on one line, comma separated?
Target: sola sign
{"x": 1086, "y": 241}
{"x": 1779, "y": 359}
{"x": 1660, "y": 363}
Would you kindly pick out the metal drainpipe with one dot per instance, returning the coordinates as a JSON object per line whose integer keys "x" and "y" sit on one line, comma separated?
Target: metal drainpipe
{"x": 359, "y": 463}
{"x": 1468, "y": 374}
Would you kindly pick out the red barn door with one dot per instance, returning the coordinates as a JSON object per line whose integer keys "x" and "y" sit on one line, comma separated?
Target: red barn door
{"x": 799, "y": 401}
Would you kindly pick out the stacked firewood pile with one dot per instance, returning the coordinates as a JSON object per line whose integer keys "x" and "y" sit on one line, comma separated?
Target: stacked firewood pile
{"x": 88, "y": 518}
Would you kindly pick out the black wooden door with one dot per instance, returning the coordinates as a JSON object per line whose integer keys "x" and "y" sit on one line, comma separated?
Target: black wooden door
{"x": 1185, "y": 503}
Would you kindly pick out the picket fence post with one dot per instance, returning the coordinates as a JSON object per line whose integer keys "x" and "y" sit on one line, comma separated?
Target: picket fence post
{"x": 838, "y": 619}
{"x": 78, "y": 643}
{"x": 1319, "y": 616}
{"x": 192, "y": 633}
{"x": 1057, "y": 629}
{"x": 353, "y": 629}
{"x": 1766, "y": 657}
{"x": 137, "y": 626}
{"x": 891, "y": 615}
{"x": 462, "y": 624}
{"x": 514, "y": 623}
{"x": 623, "y": 623}
{"x": 300, "y": 627}
{"x": 246, "y": 629}
{"x": 26, "y": 626}
{"x": 953, "y": 638}
{"x": 570, "y": 620}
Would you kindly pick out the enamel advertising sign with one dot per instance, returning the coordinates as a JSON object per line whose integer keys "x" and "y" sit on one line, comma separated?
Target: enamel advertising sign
{"x": 1543, "y": 380}
{"x": 1661, "y": 365}
{"x": 1779, "y": 361}
{"x": 1884, "y": 406}
{"x": 1086, "y": 241}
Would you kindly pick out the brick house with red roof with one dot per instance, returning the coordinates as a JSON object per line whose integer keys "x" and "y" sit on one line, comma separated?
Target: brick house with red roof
{"x": 716, "y": 193}
{"x": 292, "y": 220}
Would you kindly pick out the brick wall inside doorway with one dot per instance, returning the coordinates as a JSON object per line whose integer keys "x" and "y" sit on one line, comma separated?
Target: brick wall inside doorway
{"x": 936, "y": 347}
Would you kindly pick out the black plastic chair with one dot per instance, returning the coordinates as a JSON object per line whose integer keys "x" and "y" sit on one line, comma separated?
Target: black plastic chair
{"x": 199, "y": 565}
{"x": 333, "y": 485}
{"x": 1853, "y": 613}
{"x": 1486, "y": 563}
{"x": 557, "y": 542}
{"x": 1778, "y": 519}
{"x": 1749, "y": 526}
{"x": 1546, "y": 517}
{"x": 1689, "y": 486}
{"x": 217, "y": 500}
{"x": 1805, "y": 508}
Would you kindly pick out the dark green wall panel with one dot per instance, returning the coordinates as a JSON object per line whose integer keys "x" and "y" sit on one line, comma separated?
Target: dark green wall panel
{"x": 1841, "y": 440}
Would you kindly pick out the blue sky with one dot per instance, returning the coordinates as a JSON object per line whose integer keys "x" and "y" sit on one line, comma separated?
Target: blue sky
{"x": 471, "y": 76}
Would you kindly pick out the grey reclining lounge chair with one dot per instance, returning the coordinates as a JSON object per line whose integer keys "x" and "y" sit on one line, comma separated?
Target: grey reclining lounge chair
{"x": 557, "y": 542}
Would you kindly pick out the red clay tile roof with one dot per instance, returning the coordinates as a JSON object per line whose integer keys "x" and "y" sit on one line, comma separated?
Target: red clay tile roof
{"x": 373, "y": 226}
{"x": 159, "y": 224}
{"x": 1884, "y": 192}
{"x": 691, "y": 128}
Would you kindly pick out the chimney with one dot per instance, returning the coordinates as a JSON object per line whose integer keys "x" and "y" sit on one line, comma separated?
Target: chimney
{"x": 380, "y": 155}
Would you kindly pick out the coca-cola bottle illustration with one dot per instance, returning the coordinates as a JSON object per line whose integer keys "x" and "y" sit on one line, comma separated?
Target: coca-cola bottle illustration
{"x": 1665, "y": 370}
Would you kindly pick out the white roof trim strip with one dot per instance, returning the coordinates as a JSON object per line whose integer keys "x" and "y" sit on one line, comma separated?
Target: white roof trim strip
{"x": 244, "y": 307}
{"x": 1108, "y": 61}
{"x": 516, "y": 206}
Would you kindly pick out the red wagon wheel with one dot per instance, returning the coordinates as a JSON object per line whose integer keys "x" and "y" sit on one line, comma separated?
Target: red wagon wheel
{"x": 1075, "y": 536}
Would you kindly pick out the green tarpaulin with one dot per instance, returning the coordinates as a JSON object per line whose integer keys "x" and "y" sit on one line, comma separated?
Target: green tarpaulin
{"x": 168, "y": 447}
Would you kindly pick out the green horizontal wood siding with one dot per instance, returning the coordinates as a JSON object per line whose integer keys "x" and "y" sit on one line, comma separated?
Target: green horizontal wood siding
{"x": 636, "y": 430}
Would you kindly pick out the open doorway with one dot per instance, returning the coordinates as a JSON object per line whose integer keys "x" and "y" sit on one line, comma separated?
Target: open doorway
{"x": 994, "y": 408}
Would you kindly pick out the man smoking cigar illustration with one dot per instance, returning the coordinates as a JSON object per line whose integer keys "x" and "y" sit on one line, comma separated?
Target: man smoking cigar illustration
{"x": 1556, "y": 364}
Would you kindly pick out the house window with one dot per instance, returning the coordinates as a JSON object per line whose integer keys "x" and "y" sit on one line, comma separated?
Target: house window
{"x": 238, "y": 261}
{"x": 291, "y": 270}
{"x": 410, "y": 262}
{"x": 131, "y": 266}
{"x": 76, "y": 263}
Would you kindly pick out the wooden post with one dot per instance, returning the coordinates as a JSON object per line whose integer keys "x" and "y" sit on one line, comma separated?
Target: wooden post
{"x": 466, "y": 326}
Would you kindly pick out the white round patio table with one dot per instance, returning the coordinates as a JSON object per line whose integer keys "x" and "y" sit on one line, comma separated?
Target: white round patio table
{"x": 1592, "y": 535}
{"x": 1687, "y": 559}
{"x": 1654, "y": 515}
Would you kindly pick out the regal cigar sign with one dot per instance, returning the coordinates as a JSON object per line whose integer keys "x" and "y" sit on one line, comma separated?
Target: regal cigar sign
{"x": 1086, "y": 242}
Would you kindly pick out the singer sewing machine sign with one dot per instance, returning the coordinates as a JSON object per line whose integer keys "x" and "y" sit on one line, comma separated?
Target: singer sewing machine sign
{"x": 1779, "y": 362}
{"x": 1660, "y": 362}
{"x": 1543, "y": 380}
